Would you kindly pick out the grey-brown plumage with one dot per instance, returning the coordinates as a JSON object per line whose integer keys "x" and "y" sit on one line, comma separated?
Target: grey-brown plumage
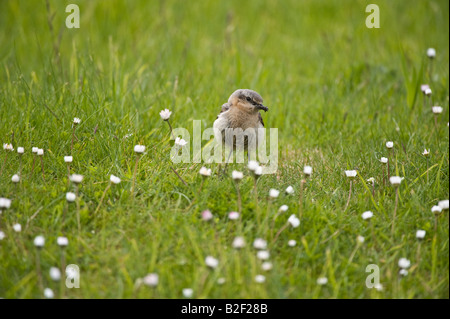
{"x": 241, "y": 111}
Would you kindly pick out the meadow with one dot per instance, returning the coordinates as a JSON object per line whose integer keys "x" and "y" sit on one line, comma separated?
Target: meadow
{"x": 336, "y": 90}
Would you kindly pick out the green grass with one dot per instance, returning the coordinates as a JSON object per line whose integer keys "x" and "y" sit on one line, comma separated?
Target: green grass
{"x": 337, "y": 92}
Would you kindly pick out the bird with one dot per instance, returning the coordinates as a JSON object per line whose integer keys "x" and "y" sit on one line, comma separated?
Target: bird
{"x": 241, "y": 114}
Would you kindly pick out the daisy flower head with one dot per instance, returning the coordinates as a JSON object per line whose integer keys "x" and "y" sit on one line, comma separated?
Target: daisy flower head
{"x": 431, "y": 53}
{"x": 260, "y": 279}
{"x": 367, "y": 215}
{"x": 206, "y": 172}
{"x": 294, "y": 221}
{"x": 238, "y": 242}
{"x": 437, "y": 109}
{"x": 71, "y": 197}
{"x": 76, "y": 178}
{"x": 211, "y": 262}
{"x": 266, "y": 266}
{"x": 307, "y": 170}
{"x": 273, "y": 193}
{"x": 139, "y": 149}
{"x": 180, "y": 142}
{"x": 443, "y": 204}
{"x": 436, "y": 209}
{"x": 17, "y": 228}
{"x": 253, "y": 165}
{"x": 290, "y": 190}
{"x": 424, "y": 87}
{"x": 260, "y": 243}
{"x": 165, "y": 114}
{"x": 48, "y": 293}
{"x": 351, "y": 173}
{"x": 396, "y": 180}
{"x": 114, "y": 179}
{"x": 207, "y": 215}
{"x": 233, "y": 215}
{"x": 68, "y": 159}
{"x": 62, "y": 241}
{"x": 263, "y": 254}
{"x": 237, "y": 176}
{"x": 5, "y": 203}
{"x": 404, "y": 263}
{"x": 420, "y": 234}
{"x": 151, "y": 280}
{"x": 188, "y": 292}
{"x": 322, "y": 281}
{"x": 55, "y": 273}
{"x": 39, "y": 241}
{"x": 8, "y": 147}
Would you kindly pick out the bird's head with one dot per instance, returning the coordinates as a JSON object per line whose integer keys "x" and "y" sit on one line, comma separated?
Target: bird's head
{"x": 247, "y": 100}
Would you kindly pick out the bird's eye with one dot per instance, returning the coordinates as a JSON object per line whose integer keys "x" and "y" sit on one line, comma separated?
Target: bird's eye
{"x": 248, "y": 99}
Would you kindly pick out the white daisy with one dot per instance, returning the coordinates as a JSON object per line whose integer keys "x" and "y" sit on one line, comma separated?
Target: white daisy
{"x": 165, "y": 114}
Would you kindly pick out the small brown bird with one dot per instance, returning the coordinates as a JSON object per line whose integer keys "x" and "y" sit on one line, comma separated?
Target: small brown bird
{"x": 241, "y": 112}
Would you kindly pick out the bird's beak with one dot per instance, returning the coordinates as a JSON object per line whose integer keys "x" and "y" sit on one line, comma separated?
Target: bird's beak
{"x": 262, "y": 107}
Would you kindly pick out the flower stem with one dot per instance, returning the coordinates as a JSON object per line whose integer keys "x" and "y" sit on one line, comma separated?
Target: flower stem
{"x": 20, "y": 168}
{"x": 66, "y": 208}
{"x": 418, "y": 253}
{"x": 68, "y": 175}
{"x": 238, "y": 198}
{"x": 176, "y": 173}
{"x": 170, "y": 127}
{"x": 349, "y": 196}
{"x": 279, "y": 232}
{"x": 201, "y": 185}
{"x": 63, "y": 271}
{"x": 38, "y": 270}
{"x": 42, "y": 166}
{"x": 255, "y": 194}
{"x": 300, "y": 203}
{"x": 373, "y": 190}
{"x": 389, "y": 167}
{"x": 34, "y": 161}
{"x": 436, "y": 129}
{"x": 73, "y": 137}
{"x": 78, "y": 210}
{"x": 427, "y": 170}
{"x": 134, "y": 175}
{"x": 373, "y": 235}
{"x": 395, "y": 210}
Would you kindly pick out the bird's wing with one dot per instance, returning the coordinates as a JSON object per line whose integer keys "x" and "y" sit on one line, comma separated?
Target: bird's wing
{"x": 261, "y": 119}
{"x": 225, "y": 107}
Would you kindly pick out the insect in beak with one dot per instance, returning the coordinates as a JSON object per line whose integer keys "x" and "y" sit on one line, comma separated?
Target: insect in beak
{"x": 262, "y": 107}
